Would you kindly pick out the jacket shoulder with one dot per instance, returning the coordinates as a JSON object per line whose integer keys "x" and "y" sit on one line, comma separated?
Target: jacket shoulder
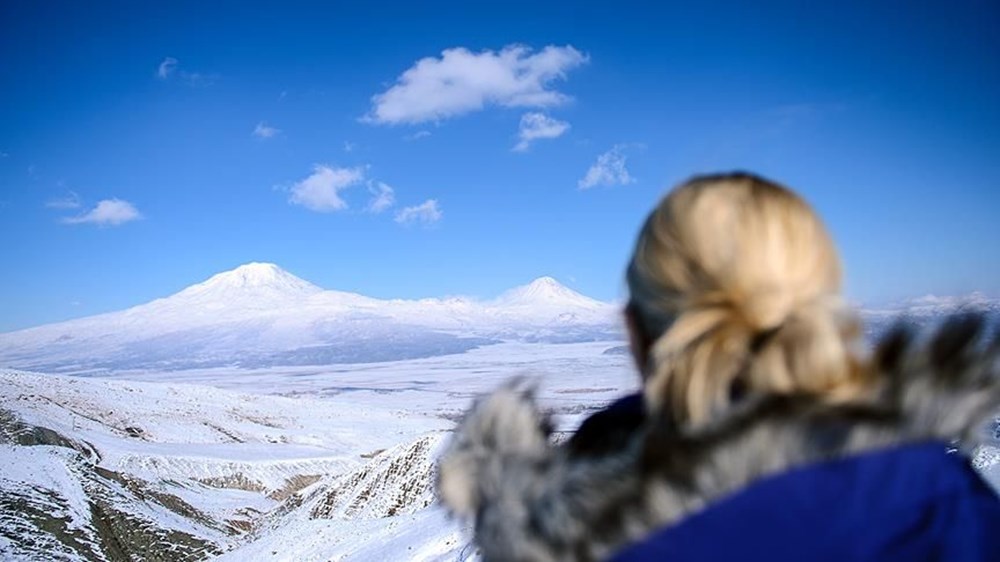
{"x": 913, "y": 502}
{"x": 609, "y": 430}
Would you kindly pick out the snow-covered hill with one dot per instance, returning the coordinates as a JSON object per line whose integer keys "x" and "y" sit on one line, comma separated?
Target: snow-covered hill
{"x": 94, "y": 469}
{"x": 260, "y": 315}
{"x": 90, "y": 466}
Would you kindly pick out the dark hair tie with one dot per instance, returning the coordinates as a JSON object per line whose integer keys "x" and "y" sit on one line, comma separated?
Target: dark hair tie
{"x": 760, "y": 339}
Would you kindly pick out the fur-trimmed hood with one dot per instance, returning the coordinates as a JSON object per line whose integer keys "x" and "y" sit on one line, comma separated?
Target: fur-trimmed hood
{"x": 535, "y": 501}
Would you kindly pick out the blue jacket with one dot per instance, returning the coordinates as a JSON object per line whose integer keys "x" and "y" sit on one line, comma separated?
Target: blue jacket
{"x": 910, "y": 503}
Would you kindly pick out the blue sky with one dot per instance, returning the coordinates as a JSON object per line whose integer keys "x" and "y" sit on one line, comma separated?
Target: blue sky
{"x": 145, "y": 147}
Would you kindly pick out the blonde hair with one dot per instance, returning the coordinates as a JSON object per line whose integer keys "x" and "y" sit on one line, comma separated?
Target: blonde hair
{"x": 736, "y": 282}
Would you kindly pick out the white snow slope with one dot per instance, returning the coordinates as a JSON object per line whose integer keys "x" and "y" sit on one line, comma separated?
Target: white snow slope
{"x": 339, "y": 467}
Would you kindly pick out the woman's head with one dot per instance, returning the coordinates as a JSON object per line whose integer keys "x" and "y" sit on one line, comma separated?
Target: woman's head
{"x": 734, "y": 288}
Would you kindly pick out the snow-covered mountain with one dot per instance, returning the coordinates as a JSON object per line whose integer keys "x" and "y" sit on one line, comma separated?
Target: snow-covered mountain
{"x": 547, "y": 292}
{"x": 260, "y": 315}
{"x": 927, "y": 310}
{"x": 254, "y": 286}
{"x": 933, "y": 305}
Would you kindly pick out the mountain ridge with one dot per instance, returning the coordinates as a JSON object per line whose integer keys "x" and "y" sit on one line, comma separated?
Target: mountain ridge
{"x": 260, "y": 314}
{"x": 931, "y": 304}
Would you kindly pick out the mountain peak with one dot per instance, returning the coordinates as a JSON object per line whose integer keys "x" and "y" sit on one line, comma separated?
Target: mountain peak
{"x": 256, "y": 279}
{"x": 546, "y": 281}
{"x": 545, "y": 291}
{"x": 254, "y": 274}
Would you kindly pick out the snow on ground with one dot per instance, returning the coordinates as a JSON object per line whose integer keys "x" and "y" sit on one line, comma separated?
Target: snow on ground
{"x": 294, "y": 463}
{"x": 46, "y": 477}
{"x": 383, "y": 511}
{"x": 428, "y": 535}
{"x": 986, "y": 460}
{"x": 574, "y": 379}
{"x": 178, "y": 431}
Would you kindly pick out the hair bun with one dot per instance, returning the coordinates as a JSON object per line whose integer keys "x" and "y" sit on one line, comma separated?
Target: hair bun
{"x": 748, "y": 277}
{"x": 765, "y": 310}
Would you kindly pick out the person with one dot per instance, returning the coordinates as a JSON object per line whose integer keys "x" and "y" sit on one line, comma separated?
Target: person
{"x": 763, "y": 429}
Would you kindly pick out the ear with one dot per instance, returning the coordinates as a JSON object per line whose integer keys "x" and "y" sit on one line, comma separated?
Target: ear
{"x": 639, "y": 342}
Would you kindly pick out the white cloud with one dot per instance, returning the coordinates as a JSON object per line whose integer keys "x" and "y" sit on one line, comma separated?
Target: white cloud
{"x": 166, "y": 68}
{"x": 461, "y": 81}
{"x": 263, "y": 131}
{"x": 349, "y": 146}
{"x": 383, "y": 197}
{"x": 109, "y": 212}
{"x": 198, "y": 79}
{"x": 417, "y": 136}
{"x": 608, "y": 170}
{"x": 425, "y": 213}
{"x": 536, "y": 126}
{"x": 171, "y": 67}
{"x": 70, "y": 201}
{"x": 321, "y": 190}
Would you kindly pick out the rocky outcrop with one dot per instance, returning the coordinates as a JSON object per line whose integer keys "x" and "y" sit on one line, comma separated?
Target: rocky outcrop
{"x": 394, "y": 482}
{"x": 69, "y": 508}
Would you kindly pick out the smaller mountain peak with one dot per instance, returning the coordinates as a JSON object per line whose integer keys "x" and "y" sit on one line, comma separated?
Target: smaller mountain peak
{"x": 545, "y": 291}
{"x": 543, "y": 286}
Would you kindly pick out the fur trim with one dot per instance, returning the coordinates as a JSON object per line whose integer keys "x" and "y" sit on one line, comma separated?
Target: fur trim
{"x": 534, "y": 502}
{"x": 502, "y": 429}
